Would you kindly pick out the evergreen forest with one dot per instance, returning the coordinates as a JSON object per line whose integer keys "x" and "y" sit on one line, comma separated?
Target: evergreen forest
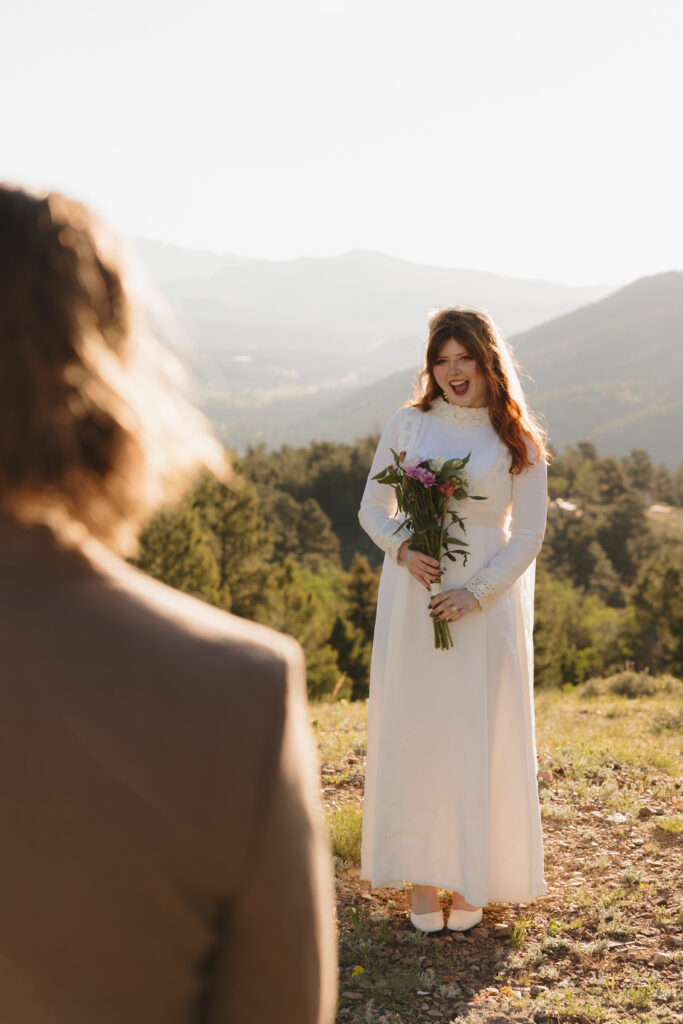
{"x": 282, "y": 545}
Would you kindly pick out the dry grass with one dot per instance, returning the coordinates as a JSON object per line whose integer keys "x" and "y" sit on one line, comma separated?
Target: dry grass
{"x": 345, "y": 824}
{"x": 339, "y": 727}
{"x": 611, "y": 800}
{"x": 591, "y": 731}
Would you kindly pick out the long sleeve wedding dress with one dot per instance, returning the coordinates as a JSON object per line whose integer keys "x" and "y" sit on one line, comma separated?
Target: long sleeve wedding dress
{"x": 450, "y": 792}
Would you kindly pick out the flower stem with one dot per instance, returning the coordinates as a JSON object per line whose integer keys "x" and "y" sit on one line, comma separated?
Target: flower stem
{"x": 443, "y": 641}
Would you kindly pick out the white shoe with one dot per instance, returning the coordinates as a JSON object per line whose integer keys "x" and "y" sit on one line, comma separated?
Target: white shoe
{"x": 427, "y": 922}
{"x": 463, "y": 920}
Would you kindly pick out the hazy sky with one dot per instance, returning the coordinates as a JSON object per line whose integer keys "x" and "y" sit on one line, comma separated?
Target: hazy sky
{"x": 529, "y": 138}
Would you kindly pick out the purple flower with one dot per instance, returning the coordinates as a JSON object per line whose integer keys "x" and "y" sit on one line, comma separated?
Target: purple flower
{"x": 423, "y": 475}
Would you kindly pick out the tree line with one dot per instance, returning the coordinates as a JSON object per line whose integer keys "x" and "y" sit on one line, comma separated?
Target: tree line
{"x": 282, "y": 545}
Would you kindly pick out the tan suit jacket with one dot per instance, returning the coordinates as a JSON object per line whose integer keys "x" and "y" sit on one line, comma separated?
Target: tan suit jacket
{"x": 162, "y": 859}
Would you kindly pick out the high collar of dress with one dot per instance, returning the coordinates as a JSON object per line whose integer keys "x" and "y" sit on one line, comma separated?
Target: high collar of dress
{"x": 460, "y": 414}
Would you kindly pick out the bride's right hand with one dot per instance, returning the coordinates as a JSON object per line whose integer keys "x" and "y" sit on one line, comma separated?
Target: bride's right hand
{"x": 422, "y": 567}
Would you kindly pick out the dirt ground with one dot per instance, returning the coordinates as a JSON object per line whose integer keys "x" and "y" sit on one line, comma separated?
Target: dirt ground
{"x": 604, "y": 944}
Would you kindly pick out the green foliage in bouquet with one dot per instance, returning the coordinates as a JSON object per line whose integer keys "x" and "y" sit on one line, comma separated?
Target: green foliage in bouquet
{"x": 423, "y": 489}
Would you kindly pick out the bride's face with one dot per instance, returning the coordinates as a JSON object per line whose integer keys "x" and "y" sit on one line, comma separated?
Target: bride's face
{"x": 459, "y": 376}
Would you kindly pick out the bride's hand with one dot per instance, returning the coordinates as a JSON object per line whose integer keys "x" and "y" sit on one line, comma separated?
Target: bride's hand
{"x": 451, "y": 605}
{"x": 422, "y": 567}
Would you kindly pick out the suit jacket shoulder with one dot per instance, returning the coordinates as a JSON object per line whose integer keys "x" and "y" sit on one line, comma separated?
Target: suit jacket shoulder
{"x": 150, "y": 745}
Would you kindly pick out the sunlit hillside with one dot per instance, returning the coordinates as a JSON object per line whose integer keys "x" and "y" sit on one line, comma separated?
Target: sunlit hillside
{"x": 258, "y": 330}
{"x": 611, "y": 372}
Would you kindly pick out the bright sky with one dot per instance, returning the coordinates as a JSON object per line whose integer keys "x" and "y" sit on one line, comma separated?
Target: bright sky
{"x": 529, "y": 137}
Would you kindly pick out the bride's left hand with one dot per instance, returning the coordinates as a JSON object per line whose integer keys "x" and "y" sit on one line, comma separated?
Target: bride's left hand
{"x": 452, "y": 605}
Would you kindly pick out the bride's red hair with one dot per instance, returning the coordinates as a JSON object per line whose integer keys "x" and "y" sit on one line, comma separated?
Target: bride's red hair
{"x": 523, "y": 436}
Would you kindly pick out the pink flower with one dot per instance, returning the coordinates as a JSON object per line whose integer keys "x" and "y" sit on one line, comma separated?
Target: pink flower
{"x": 423, "y": 475}
{"x": 447, "y": 489}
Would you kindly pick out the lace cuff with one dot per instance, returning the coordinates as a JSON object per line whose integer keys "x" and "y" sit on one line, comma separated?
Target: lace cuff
{"x": 395, "y": 542}
{"x": 483, "y": 589}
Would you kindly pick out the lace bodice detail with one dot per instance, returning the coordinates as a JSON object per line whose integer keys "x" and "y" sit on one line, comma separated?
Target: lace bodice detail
{"x": 460, "y": 415}
{"x": 412, "y": 420}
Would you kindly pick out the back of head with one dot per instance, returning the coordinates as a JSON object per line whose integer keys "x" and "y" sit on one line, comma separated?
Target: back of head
{"x": 74, "y": 404}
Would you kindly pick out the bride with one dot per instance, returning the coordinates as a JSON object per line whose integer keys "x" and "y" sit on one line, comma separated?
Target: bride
{"x": 450, "y": 793}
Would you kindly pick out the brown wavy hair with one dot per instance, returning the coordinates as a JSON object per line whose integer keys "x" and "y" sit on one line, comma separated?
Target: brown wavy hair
{"x": 474, "y": 330}
{"x": 84, "y": 430}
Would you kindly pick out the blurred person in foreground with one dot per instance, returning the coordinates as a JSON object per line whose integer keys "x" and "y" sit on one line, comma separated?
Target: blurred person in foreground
{"x": 162, "y": 857}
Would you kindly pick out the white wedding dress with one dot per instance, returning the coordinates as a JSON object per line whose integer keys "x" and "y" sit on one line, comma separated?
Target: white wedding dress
{"x": 450, "y": 790}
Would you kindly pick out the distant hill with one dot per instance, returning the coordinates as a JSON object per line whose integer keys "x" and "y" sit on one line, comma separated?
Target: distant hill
{"x": 365, "y": 293}
{"x": 165, "y": 263}
{"x": 300, "y": 349}
{"x": 611, "y": 372}
{"x": 275, "y": 329}
{"x": 319, "y": 416}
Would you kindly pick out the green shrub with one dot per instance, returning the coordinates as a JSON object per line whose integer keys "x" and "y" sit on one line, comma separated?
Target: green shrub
{"x": 631, "y": 684}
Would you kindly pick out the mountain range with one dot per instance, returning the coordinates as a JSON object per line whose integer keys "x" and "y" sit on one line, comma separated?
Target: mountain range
{"x": 261, "y": 330}
{"x": 610, "y": 372}
{"x": 328, "y": 349}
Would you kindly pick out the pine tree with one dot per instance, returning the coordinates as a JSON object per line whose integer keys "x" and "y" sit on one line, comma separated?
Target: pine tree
{"x": 282, "y": 513}
{"x": 305, "y": 605}
{"x": 362, "y": 586}
{"x": 613, "y": 481}
{"x": 239, "y": 538}
{"x": 353, "y": 656}
{"x": 575, "y": 634}
{"x": 604, "y": 580}
{"x": 318, "y": 544}
{"x": 656, "y": 627}
{"x": 677, "y": 486}
{"x": 625, "y": 536}
{"x": 639, "y": 469}
{"x": 174, "y": 549}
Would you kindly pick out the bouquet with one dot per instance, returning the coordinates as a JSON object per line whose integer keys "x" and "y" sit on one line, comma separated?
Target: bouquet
{"x": 423, "y": 489}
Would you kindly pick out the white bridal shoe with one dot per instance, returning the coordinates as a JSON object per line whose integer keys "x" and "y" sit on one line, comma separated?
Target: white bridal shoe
{"x": 427, "y": 922}
{"x": 463, "y": 920}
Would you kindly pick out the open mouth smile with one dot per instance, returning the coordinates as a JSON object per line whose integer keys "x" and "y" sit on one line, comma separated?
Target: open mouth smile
{"x": 459, "y": 386}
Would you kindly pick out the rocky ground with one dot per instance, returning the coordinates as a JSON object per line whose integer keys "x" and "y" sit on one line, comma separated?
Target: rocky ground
{"x": 604, "y": 944}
